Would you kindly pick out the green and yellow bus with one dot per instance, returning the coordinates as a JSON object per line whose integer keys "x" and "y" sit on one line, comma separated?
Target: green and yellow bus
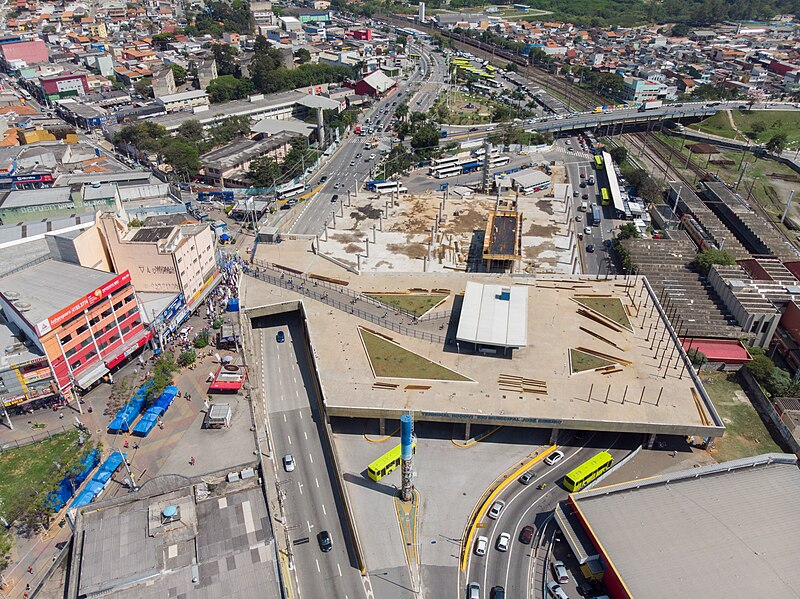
{"x": 588, "y": 471}
{"x": 490, "y": 68}
{"x": 598, "y": 161}
{"x": 386, "y": 463}
{"x": 604, "y": 196}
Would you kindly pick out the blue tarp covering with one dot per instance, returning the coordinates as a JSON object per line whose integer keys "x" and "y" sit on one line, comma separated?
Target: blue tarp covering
{"x": 130, "y": 411}
{"x": 94, "y": 487}
{"x": 83, "y": 498}
{"x": 224, "y": 237}
{"x": 233, "y": 304}
{"x": 150, "y": 418}
{"x": 58, "y": 498}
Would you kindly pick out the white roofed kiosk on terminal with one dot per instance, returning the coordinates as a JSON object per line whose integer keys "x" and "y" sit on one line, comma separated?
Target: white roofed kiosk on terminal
{"x": 494, "y": 316}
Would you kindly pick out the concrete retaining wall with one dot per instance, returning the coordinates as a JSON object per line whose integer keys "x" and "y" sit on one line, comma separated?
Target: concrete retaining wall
{"x": 764, "y": 407}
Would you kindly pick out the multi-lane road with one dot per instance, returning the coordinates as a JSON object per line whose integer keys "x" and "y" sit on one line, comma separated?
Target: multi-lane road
{"x": 308, "y": 501}
{"x": 351, "y": 164}
{"x": 514, "y": 569}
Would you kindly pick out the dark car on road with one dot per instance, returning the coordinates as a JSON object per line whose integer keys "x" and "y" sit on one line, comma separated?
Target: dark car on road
{"x": 590, "y": 248}
{"x": 334, "y": 197}
{"x": 280, "y": 337}
{"x": 526, "y": 535}
{"x": 325, "y": 542}
{"x": 498, "y": 592}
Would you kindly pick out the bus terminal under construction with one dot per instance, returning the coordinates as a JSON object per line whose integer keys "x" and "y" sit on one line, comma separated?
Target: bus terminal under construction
{"x": 555, "y": 352}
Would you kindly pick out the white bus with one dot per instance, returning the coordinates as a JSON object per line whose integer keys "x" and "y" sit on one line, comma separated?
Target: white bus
{"x": 292, "y": 190}
{"x": 499, "y": 160}
{"x": 446, "y": 161}
{"x": 448, "y": 171}
{"x": 390, "y": 187}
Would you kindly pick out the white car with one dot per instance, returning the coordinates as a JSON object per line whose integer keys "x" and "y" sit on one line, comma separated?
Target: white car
{"x": 481, "y": 545}
{"x": 555, "y": 590}
{"x": 372, "y": 156}
{"x": 554, "y": 458}
{"x": 288, "y": 462}
{"x": 474, "y": 591}
{"x": 503, "y": 540}
{"x": 587, "y": 231}
{"x": 560, "y": 572}
{"x": 496, "y": 509}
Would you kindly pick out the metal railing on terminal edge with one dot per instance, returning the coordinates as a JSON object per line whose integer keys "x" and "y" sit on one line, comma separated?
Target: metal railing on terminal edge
{"x": 311, "y": 289}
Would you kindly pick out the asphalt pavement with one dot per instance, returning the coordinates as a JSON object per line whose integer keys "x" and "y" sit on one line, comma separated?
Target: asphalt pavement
{"x": 352, "y": 164}
{"x": 529, "y": 505}
{"x": 308, "y": 501}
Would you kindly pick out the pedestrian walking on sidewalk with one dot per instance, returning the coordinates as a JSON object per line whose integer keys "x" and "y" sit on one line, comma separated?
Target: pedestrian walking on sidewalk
{"x": 191, "y": 460}
{"x": 30, "y": 569}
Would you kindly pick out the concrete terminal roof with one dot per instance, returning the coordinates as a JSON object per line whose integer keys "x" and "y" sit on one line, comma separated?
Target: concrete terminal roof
{"x": 728, "y": 530}
{"x": 494, "y": 315}
{"x": 651, "y": 393}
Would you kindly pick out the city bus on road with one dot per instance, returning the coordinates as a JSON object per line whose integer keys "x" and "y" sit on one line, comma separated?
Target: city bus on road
{"x": 598, "y": 161}
{"x": 291, "y": 191}
{"x": 588, "y": 471}
{"x": 604, "y": 196}
{"x": 371, "y": 184}
{"x": 387, "y": 462}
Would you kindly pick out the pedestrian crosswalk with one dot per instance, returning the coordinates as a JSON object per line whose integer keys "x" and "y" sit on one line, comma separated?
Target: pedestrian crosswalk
{"x": 576, "y": 153}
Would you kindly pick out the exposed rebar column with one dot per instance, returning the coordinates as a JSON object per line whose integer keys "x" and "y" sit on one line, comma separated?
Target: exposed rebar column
{"x": 485, "y": 182}
{"x": 407, "y": 455}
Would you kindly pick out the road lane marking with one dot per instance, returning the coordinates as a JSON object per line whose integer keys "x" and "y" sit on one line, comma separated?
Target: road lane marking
{"x": 324, "y": 511}
{"x": 310, "y": 526}
{"x": 301, "y": 415}
{"x": 284, "y": 416}
{"x": 300, "y": 486}
{"x": 316, "y": 481}
{"x": 338, "y": 568}
{"x": 311, "y": 457}
{"x": 318, "y": 570}
{"x": 290, "y": 439}
{"x": 305, "y": 435}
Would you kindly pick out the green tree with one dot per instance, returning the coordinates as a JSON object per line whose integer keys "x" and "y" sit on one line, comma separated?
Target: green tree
{"x": 182, "y": 156}
{"x": 144, "y": 87}
{"x": 228, "y": 87}
{"x": 191, "y": 130}
{"x": 425, "y": 139}
{"x": 264, "y": 171}
{"x": 302, "y": 55}
{"x": 704, "y": 260}
{"x": 226, "y": 131}
{"x": 227, "y": 59}
{"x": 144, "y": 135}
{"x": 161, "y": 376}
{"x": 401, "y": 112}
{"x": 628, "y": 231}
{"x": 697, "y": 357}
{"x": 179, "y": 73}
{"x": 777, "y": 143}
{"x": 201, "y": 340}
{"x": 680, "y": 30}
{"x": 619, "y": 154}
{"x": 186, "y": 358}
{"x": 779, "y": 383}
{"x": 760, "y": 367}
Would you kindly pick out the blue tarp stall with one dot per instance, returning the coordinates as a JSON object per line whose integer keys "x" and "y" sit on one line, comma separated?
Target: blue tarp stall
{"x": 109, "y": 467}
{"x": 130, "y": 411}
{"x": 66, "y": 488}
{"x": 83, "y": 498}
{"x": 150, "y": 418}
{"x": 233, "y": 304}
{"x": 145, "y": 425}
{"x": 98, "y": 483}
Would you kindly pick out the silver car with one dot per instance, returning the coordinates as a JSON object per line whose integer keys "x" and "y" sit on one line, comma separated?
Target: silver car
{"x": 555, "y": 590}
{"x": 496, "y": 509}
{"x": 288, "y": 462}
{"x": 474, "y": 591}
{"x": 560, "y": 572}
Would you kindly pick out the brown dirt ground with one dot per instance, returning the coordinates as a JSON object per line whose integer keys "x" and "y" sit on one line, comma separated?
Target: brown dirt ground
{"x": 536, "y": 230}
{"x": 545, "y": 206}
{"x": 352, "y": 248}
{"x": 412, "y": 250}
{"x": 347, "y": 237}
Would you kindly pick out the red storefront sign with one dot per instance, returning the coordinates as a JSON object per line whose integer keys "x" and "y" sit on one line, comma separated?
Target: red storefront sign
{"x": 82, "y": 304}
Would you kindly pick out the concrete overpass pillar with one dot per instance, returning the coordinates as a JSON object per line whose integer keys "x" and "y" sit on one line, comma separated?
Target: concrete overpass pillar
{"x": 651, "y": 439}
{"x": 554, "y": 435}
{"x": 381, "y": 426}
{"x": 467, "y": 428}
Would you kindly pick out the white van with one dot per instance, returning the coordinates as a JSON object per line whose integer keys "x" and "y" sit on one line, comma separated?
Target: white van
{"x": 584, "y": 206}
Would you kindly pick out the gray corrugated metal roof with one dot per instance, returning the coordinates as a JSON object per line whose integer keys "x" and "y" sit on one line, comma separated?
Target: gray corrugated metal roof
{"x": 710, "y": 532}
